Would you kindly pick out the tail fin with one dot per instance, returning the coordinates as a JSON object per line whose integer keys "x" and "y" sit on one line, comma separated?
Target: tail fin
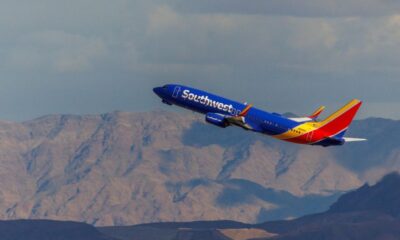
{"x": 317, "y": 112}
{"x": 341, "y": 119}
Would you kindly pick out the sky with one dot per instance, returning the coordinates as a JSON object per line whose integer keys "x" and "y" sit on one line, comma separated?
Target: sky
{"x": 98, "y": 56}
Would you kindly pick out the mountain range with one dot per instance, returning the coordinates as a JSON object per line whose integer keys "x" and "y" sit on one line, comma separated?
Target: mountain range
{"x": 128, "y": 168}
{"x": 368, "y": 213}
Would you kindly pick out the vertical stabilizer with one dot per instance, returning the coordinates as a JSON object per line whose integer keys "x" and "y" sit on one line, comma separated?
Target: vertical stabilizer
{"x": 341, "y": 119}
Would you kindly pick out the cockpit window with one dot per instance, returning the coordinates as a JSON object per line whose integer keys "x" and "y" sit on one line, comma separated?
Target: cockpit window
{"x": 165, "y": 87}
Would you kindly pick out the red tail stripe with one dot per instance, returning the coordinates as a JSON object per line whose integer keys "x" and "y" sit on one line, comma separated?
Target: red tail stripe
{"x": 341, "y": 122}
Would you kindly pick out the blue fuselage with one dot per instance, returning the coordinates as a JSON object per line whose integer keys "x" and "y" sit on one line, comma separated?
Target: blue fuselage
{"x": 204, "y": 102}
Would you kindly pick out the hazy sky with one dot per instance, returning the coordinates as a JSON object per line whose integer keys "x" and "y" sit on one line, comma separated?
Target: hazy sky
{"x": 96, "y": 56}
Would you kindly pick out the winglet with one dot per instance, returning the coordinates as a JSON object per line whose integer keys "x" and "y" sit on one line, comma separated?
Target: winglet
{"x": 244, "y": 112}
{"x": 317, "y": 112}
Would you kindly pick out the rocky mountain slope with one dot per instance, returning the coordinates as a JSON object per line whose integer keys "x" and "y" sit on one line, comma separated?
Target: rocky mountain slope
{"x": 383, "y": 197}
{"x": 128, "y": 168}
{"x": 370, "y": 212}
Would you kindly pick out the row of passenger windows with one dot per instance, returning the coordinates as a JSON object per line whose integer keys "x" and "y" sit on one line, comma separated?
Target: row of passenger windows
{"x": 296, "y": 131}
{"x": 271, "y": 123}
{"x": 252, "y": 118}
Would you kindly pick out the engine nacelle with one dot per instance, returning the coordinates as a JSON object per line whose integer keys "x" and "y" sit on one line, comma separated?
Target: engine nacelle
{"x": 216, "y": 119}
{"x": 166, "y": 102}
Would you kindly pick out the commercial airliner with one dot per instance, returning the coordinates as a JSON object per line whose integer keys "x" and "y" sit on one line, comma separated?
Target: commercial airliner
{"x": 224, "y": 112}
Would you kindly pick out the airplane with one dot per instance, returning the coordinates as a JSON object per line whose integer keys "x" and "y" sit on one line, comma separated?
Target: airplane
{"x": 224, "y": 112}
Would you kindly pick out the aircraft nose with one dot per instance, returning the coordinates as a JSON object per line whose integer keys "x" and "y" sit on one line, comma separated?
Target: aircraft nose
{"x": 157, "y": 90}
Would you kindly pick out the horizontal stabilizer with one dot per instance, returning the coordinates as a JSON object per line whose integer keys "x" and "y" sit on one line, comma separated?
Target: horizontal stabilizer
{"x": 317, "y": 112}
{"x": 349, "y": 139}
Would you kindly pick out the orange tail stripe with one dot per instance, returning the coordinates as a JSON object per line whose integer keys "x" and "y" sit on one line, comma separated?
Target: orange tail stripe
{"x": 245, "y": 111}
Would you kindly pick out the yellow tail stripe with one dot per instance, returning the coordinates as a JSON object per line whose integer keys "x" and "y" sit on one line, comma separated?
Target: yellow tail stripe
{"x": 298, "y": 131}
{"x": 339, "y": 112}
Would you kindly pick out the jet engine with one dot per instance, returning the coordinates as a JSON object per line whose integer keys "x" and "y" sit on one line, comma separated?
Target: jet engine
{"x": 166, "y": 102}
{"x": 217, "y": 119}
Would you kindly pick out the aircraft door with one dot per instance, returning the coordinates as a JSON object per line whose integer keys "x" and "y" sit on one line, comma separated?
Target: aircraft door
{"x": 177, "y": 90}
{"x": 309, "y": 136}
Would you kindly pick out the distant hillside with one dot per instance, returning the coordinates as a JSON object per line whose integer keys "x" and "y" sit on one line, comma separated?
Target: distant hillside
{"x": 382, "y": 197}
{"x": 129, "y": 168}
{"x": 374, "y": 218}
{"x": 48, "y": 230}
{"x": 178, "y": 231}
{"x": 370, "y": 212}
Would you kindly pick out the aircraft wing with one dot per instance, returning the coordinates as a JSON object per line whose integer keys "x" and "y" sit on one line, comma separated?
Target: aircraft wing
{"x": 240, "y": 119}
